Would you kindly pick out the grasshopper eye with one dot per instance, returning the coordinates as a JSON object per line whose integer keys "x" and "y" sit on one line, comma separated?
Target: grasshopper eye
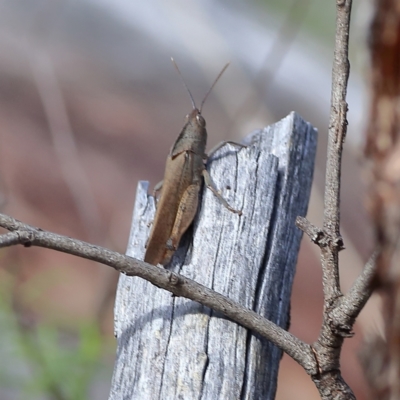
{"x": 201, "y": 120}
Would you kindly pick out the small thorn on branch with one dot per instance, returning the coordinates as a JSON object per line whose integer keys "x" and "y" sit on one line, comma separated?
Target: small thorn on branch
{"x": 343, "y": 330}
{"x": 26, "y": 237}
{"x": 338, "y": 243}
{"x": 318, "y": 236}
{"x": 315, "y": 234}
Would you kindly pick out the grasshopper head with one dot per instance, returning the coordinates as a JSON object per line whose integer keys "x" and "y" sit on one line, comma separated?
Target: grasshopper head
{"x": 196, "y": 119}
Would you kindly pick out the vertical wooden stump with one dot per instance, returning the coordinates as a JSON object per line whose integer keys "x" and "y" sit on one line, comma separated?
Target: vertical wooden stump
{"x": 174, "y": 348}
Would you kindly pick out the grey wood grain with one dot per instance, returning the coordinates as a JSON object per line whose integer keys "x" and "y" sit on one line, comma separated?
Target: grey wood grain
{"x": 174, "y": 348}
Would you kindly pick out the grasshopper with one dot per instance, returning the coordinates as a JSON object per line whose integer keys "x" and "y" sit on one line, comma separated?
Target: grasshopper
{"x": 184, "y": 171}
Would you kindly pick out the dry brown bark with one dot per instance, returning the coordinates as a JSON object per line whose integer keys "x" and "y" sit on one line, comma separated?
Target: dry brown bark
{"x": 383, "y": 151}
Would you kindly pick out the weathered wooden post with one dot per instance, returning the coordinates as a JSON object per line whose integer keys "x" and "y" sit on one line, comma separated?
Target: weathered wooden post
{"x": 174, "y": 348}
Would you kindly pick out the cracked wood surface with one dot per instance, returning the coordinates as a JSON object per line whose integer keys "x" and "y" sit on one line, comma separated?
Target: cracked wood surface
{"x": 171, "y": 348}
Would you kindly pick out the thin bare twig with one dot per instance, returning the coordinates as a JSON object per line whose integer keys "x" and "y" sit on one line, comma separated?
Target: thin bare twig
{"x": 313, "y": 232}
{"x": 330, "y": 341}
{"x": 339, "y": 312}
{"x": 160, "y": 277}
{"x": 359, "y": 293}
{"x": 337, "y": 134}
{"x": 9, "y": 239}
{"x": 353, "y": 302}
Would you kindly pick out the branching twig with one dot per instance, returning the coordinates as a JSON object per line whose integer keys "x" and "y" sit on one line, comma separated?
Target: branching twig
{"x": 339, "y": 311}
{"x": 351, "y": 304}
{"x": 177, "y": 284}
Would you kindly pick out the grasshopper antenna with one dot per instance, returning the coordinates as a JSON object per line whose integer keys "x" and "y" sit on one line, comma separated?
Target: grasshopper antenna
{"x": 211, "y": 88}
{"x": 184, "y": 83}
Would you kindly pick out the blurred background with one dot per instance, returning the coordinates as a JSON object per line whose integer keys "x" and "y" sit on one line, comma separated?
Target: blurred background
{"x": 90, "y": 104}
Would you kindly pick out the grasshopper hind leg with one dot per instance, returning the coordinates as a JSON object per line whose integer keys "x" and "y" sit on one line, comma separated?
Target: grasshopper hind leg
{"x": 210, "y": 185}
{"x": 184, "y": 217}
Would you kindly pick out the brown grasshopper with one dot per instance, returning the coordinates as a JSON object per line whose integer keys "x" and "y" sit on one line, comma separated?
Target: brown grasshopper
{"x": 181, "y": 185}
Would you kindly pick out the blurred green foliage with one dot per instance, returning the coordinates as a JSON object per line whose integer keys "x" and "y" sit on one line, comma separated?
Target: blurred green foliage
{"x": 316, "y": 17}
{"x": 41, "y": 361}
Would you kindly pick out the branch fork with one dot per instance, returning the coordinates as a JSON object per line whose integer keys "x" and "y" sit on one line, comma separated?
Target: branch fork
{"x": 319, "y": 236}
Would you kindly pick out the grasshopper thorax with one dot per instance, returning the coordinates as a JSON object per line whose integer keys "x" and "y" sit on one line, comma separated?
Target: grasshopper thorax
{"x": 193, "y": 136}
